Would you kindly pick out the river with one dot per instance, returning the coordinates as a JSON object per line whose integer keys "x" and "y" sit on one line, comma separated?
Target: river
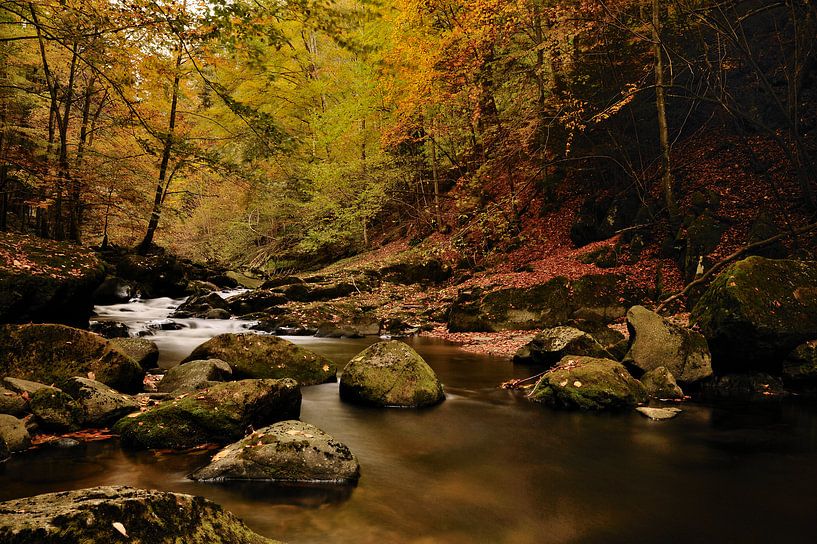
{"x": 486, "y": 466}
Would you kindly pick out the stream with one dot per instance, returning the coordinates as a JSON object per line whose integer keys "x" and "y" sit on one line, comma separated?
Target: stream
{"x": 486, "y": 466}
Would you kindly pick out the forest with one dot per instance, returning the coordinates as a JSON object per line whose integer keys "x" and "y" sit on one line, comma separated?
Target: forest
{"x": 236, "y": 235}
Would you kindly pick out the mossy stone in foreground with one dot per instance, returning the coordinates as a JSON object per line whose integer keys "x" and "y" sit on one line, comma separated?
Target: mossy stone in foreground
{"x": 100, "y": 404}
{"x": 52, "y": 353}
{"x": 390, "y": 374}
{"x": 222, "y": 414}
{"x": 289, "y": 451}
{"x": 100, "y": 514}
{"x": 56, "y": 410}
{"x": 256, "y": 356}
{"x": 587, "y": 383}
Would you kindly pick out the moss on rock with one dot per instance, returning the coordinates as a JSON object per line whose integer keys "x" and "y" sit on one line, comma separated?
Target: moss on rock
{"x": 390, "y": 374}
{"x": 549, "y": 346}
{"x": 255, "y": 356}
{"x": 188, "y": 377}
{"x": 144, "y": 352}
{"x": 147, "y": 517}
{"x": 756, "y": 311}
{"x": 100, "y": 404}
{"x": 56, "y": 410}
{"x": 220, "y": 414}
{"x": 587, "y": 383}
{"x": 52, "y": 353}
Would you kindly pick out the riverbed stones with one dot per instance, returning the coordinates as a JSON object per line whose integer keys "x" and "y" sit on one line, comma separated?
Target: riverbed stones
{"x": 549, "y": 346}
{"x": 220, "y": 414}
{"x": 107, "y": 514}
{"x": 390, "y": 374}
{"x": 201, "y": 305}
{"x": 255, "y": 356}
{"x": 756, "y": 311}
{"x": 194, "y": 375}
{"x": 14, "y": 433}
{"x": 100, "y": 404}
{"x": 255, "y": 301}
{"x": 658, "y": 414}
{"x": 144, "y": 352}
{"x": 56, "y": 410}
{"x": 588, "y": 383}
{"x": 289, "y": 451}
{"x": 660, "y": 384}
{"x": 656, "y": 342}
{"x": 51, "y": 353}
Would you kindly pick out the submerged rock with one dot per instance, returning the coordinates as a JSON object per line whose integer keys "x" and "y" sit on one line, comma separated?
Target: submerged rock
{"x": 660, "y": 383}
{"x": 290, "y": 451}
{"x": 220, "y": 414}
{"x": 656, "y": 342}
{"x": 107, "y": 514}
{"x": 100, "y": 404}
{"x": 658, "y": 414}
{"x": 188, "y": 377}
{"x": 757, "y": 311}
{"x": 588, "y": 383}
{"x": 144, "y": 352}
{"x": 549, "y": 346}
{"x": 52, "y": 353}
{"x": 390, "y": 374}
{"x": 14, "y": 433}
{"x": 254, "y": 356}
{"x": 55, "y": 410}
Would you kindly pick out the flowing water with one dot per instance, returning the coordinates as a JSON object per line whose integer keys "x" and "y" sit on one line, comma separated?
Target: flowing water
{"x": 486, "y": 466}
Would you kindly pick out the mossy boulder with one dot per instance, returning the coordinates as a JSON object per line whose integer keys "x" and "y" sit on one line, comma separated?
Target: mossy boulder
{"x": 390, "y": 374}
{"x": 144, "y": 352}
{"x": 25, "y": 387}
{"x": 801, "y": 363}
{"x": 660, "y": 384}
{"x": 100, "y": 404}
{"x": 551, "y": 345}
{"x": 102, "y": 514}
{"x": 201, "y": 306}
{"x": 189, "y": 377}
{"x": 52, "y": 353}
{"x": 756, "y": 311}
{"x": 655, "y": 342}
{"x": 587, "y": 383}
{"x": 596, "y": 297}
{"x": 56, "y": 410}
{"x": 46, "y": 281}
{"x": 14, "y": 433}
{"x": 220, "y": 414}
{"x": 255, "y": 356}
{"x": 289, "y": 451}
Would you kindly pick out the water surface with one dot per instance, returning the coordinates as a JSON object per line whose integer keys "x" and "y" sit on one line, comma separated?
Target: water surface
{"x": 486, "y": 466}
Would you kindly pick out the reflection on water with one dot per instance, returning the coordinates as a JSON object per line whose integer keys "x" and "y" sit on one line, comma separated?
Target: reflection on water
{"x": 485, "y": 466}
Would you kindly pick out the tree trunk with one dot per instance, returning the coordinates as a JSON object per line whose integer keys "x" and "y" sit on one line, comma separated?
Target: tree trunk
{"x": 168, "y": 147}
{"x": 660, "y": 102}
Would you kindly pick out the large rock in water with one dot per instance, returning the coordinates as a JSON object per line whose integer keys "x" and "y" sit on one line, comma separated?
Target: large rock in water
{"x": 587, "y": 383}
{"x": 52, "y": 353}
{"x": 100, "y": 404}
{"x": 254, "y": 356}
{"x": 289, "y": 451}
{"x": 756, "y": 311}
{"x": 660, "y": 383}
{"x": 194, "y": 375}
{"x": 220, "y": 414}
{"x": 144, "y": 352}
{"x": 656, "y": 342}
{"x": 390, "y": 374}
{"x": 549, "y": 346}
{"x": 595, "y": 297}
{"x": 102, "y": 514}
{"x": 46, "y": 281}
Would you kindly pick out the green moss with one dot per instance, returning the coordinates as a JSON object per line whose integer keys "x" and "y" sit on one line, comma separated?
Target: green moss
{"x": 254, "y": 356}
{"x": 56, "y": 410}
